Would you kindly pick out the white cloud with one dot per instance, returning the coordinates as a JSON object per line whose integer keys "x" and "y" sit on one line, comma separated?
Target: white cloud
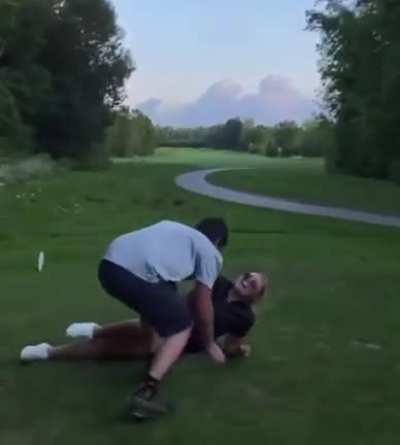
{"x": 276, "y": 100}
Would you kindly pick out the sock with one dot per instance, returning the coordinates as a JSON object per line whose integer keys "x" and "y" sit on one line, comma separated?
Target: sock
{"x": 151, "y": 381}
{"x": 84, "y": 329}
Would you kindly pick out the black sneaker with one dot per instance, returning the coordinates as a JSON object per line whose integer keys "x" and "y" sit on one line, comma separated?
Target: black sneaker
{"x": 145, "y": 405}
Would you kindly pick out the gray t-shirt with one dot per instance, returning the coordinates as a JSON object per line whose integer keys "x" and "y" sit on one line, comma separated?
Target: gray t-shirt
{"x": 167, "y": 251}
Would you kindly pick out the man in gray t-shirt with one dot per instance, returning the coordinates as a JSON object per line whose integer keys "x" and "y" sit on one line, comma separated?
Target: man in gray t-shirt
{"x": 141, "y": 269}
{"x": 167, "y": 251}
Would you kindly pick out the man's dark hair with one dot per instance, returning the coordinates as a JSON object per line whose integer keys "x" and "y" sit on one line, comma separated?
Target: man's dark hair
{"x": 215, "y": 229}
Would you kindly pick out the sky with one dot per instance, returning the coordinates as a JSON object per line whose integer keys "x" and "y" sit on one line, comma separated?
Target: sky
{"x": 201, "y": 62}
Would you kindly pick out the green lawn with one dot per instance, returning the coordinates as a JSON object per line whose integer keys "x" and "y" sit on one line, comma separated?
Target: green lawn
{"x": 200, "y": 157}
{"x": 311, "y": 380}
{"x": 305, "y": 180}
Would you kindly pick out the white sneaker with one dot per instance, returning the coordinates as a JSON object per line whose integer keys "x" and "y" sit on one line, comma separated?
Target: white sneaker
{"x": 37, "y": 352}
{"x": 85, "y": 329}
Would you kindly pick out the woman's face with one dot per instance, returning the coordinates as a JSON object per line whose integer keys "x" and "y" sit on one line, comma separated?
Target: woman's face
{"x": 249, "y": 285}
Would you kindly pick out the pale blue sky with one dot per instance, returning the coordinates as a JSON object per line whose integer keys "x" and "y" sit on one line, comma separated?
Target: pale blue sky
{"x": 182, "y": 47}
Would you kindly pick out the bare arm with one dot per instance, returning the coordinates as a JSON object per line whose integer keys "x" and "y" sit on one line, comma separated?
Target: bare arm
{"x": 203, "y": 312}
{"x": 204, "y": 320}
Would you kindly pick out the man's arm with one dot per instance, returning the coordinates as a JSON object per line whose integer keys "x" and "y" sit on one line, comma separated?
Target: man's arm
{"x": 204, "y": 320}
{"x": 203, "y": 312}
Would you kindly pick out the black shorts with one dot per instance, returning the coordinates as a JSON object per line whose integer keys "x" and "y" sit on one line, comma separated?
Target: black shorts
{"x": 159, "y": 304}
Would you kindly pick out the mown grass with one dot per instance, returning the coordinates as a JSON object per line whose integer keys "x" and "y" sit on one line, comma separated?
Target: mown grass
{"x": 312, "y": 378}
{"x": 305, "y": 180}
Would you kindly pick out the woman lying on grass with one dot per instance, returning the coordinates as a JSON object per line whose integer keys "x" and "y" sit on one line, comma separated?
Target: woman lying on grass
{"x": 234, "y": 317}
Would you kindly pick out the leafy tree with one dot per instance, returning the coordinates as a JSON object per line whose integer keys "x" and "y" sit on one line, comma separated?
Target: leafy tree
{"x": 22, "y": 81}
{"x": 88, "y": 65}
{"x": 284, "y": 135}
{"x": 227, "y": 136}
{"x": 62, "y": 72}
{"x": 254, "y": 138}
{"x": 315, "y": 138}
{"x": 360, "y": 65}
{"x": 131, "y": 134}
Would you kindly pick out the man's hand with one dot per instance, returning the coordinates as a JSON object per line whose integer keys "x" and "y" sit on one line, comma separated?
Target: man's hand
{"x": 216, "y": 353}
{"x": 244, "y": 350}
{"x": 237, "y": 346}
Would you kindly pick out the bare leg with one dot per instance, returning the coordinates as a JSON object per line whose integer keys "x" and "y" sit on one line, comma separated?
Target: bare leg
{"x": 135, "y": 343}
{"x": 168, "y": 352}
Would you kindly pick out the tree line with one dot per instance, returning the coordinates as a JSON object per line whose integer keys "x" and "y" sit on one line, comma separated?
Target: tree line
{"x": 360, "y": 68}
{"x": 63, "y": 67}
{"x": 311, "y": 139}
